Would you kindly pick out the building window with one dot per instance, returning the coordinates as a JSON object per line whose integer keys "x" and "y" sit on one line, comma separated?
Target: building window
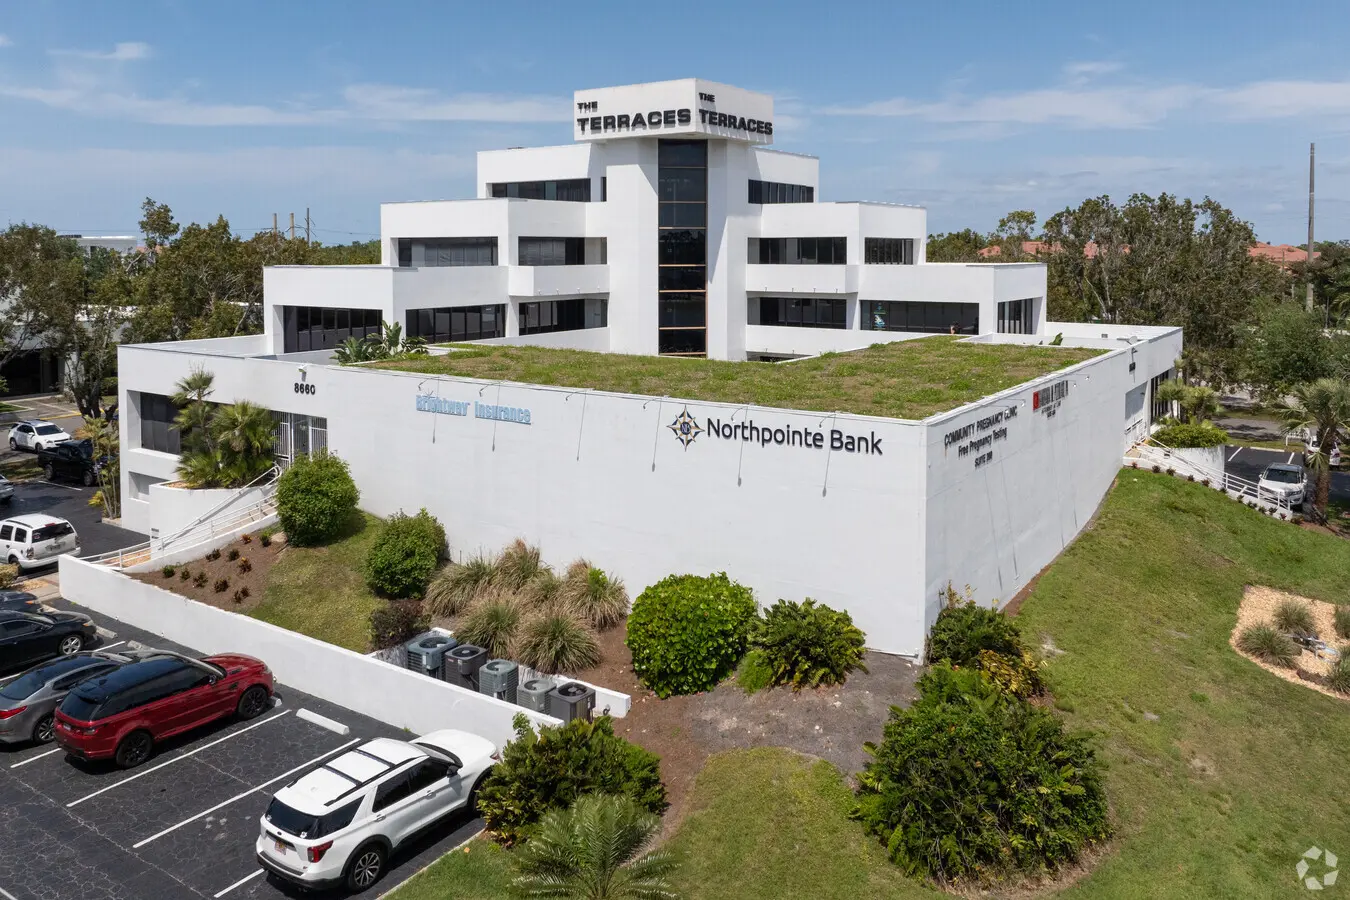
{"x": 158, "y": 431}
{"x": 889, "y": 251}
{"x": 545, "y": 316}
{"x": 467, "y": 251}
{"x": 544, "y": 251}
{"x": 801, "y": 312}
{"x": 297, "y": 435}
{"x": 828, "y": 251}
{"x": 306, "y": 328}
{"x": 682, "y": 248}
{"x": 775, "y": 192}
{"x": 1015, "y": 317}
{"x": 1160, "y": 409}
{"x": 449, "y": 324}
{"x": 573, "y": 189}
{"x": 927, "y": 318}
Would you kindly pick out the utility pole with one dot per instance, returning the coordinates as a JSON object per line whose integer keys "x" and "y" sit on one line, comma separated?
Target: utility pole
{"x": 274, "y": 224}
{"x": 1312, "y": 157}
{"x": 306, "y": 226}
{"x": 293, "y": 231}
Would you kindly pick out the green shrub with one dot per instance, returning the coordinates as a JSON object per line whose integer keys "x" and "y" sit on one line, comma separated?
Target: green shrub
{"x": 458, "y": 585}
{"x": 200, "y": 579}
{"x": 9, "y": 574}
{"x": 245, "y": 566}
{"x": 597, "y": 597}
{"x": 404, "y": 556}
{"x": 233, "y": 554}
{"x": 184, "y": 575}
{"x": 1338, "y": 678}
{"x": 1190, "y": 434}
{"x": 558, "y": 642}
{"x": 754, "y": 673}
{"x": 492, "y": 623}
{"x": 687, "y": 632}
{"x": 1018, "y": 675}
{"x": 1295, "y": 617}
{"x": 543, "y": 590}
{"x": 316, "y": 499}
{"x": 396, "y": 623}
{"x": 972, "y": 784}
{"x": 963, "y": 629}
{"x": 1340, "y": 619}
{"x": 167, "y": 571}
{"x": 518, "y": 565}
{"x": 806, "y": 645}
{"x": 1268, "y": 645}
{"x": 221, "y": 585}
{"x": 213, "y": 555}
{"x": 551, "y": 769}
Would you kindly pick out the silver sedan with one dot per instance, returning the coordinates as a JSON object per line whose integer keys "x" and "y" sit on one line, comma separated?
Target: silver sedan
{"x": 28, "y": 702}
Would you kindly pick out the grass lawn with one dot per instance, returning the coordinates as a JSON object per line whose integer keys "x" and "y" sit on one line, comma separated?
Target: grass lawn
{"x": 905, "y": 379}
{"x": 1218, "y": 796}
{"x": 319, "y": 591}
{"x": 8, "y": 407}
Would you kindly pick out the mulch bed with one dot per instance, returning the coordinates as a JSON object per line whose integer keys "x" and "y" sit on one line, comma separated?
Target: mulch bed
{"x": 232, "y": 597}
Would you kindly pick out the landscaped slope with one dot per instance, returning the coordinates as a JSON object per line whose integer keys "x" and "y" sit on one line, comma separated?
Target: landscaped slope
{"x": 904, "y": 379}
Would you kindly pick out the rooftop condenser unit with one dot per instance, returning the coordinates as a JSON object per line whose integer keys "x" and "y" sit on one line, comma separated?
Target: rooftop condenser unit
{"x": 425, "y": 653}
{"x": 462, "y": 664}
{"x": 571, "y": 700}
{"x": 533, "y": 694}
{"x": 498, "y": 678}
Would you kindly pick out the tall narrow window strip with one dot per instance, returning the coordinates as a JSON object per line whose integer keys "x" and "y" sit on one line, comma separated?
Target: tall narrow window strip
{"x": 682, "y": 278}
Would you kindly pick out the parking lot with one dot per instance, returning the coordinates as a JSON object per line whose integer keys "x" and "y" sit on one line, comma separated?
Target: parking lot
{"x": 183, "y": 824}
{"x": 1249, "y": 462}
{"x": 70, "y": 502}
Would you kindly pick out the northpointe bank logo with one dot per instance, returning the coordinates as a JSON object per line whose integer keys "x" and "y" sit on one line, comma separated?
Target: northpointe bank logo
{"x": 686, "y": 430}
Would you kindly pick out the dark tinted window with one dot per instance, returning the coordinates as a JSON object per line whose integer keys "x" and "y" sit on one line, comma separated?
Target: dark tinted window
{"x": 80, "y": 708}
{"x": 93, "y": 671}
{"x": 47, "y": 429}
{"x": 26, "y": 684}
{"x": 392, "y": 791}
{"x": 306, "y": 826}
{"x": 427, "y": 773}
{"x": 798, "y": 251}
{"x": 53, "y": 531}
{"x": 457, "y": 323}
{"x": 889, "y": 251}
{"x": 157, "y": 429}
{"x": 776, "y": 192}
{"x": 131, "y": 676}
{"x": 18, "y": 627}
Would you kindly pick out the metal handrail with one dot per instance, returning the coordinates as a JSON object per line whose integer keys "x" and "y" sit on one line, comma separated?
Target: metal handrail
{"x": 1227, "y": 482}
{"x": 271, "y": 475}
{"x": 229, "y": 523}
{"x": 250, "y": 513}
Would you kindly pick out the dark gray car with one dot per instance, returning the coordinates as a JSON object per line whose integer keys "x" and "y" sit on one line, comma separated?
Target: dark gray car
{"x": 27, "y": 702}
{"x": 20, "y": 600}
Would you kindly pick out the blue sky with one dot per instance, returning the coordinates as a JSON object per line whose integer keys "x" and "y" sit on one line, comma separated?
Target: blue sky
{"x": 249, "y": 108}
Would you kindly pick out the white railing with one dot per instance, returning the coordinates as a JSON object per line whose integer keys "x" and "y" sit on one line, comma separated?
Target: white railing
{"x": 1154, "y": 454}
{"x": 200, "y": 533}
{"x": 268, "y": 479}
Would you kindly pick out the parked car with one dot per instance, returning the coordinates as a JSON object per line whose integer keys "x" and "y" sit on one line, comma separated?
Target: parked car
{"x": 72, "y": 461}
{"x": 35, "y": 435}
{"x": 6, "y": 490}
{"x": 1283, "y": 483}
{"x": 31, "y": 541}
{"x": 28, "y": 703}
{"x": 120, "y": 716}
{"x": 1311, "y": 451}
{"x": 27, "y": 637}
{"x": 20, "y": 600}
{"x": 338, "y": 824}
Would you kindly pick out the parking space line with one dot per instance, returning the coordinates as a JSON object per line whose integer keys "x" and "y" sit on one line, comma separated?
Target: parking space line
{"x": 69, "y": 487}
{"x": 1290, "y": 460}
{"x": 35, "y": 758}
{"x": 169, "y": 762}
{"x": 8, "y": 896}
{"x": 253, "y": 790}
{"x": 113, "y": 644}
{"x": 245, "y": 880}
{"x": 1236, "y": 451}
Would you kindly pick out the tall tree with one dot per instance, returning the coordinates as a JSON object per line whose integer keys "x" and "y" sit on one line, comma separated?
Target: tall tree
{"x": 41, "y": 276}
{"x": 956, "y": 246}
{"x": 1286, "y": 347}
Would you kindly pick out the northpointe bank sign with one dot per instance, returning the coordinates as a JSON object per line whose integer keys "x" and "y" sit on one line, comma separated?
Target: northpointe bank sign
{"x": 671, "y": 109}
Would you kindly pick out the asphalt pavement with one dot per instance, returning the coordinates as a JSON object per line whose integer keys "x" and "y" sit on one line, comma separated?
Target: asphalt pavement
{"x": 1249, "y": 462}
{"x": 71, "y": 502}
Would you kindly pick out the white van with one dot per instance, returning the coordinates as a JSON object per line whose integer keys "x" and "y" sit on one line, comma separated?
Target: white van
{"x": 35, "y": 540}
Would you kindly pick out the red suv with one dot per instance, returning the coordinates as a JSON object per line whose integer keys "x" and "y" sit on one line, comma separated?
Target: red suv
{"x": 122, "y": 714}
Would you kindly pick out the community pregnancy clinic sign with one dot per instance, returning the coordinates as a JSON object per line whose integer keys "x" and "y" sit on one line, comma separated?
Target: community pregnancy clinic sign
{"x": 977, "y": 439}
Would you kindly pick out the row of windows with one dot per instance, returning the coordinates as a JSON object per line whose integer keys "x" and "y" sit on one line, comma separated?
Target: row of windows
{"x": 799, "y": 251}
{"x": 928, "y": 318}
{"x": 1015, "y": 317}
{"x": 324, "y": 327}
{"x": 564, "y": 251}
{"x": 682, "y": 213}
{"x": 805, "y": 312}
{"x": 157, "y": 428}
{"x": 889, "y": 251}
{"x": 574, "y": 189}
{"x": 777, "y": 192}
{"x": 464, "y": 251}
{"x": 545, "y": 316}
{"x": 457, "y": 323}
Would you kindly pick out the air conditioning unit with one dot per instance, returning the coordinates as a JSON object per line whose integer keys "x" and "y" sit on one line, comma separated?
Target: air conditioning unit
{"x": 533, "y": 694}
{"x": 426, "y": 652}
{"x": 462, "y": 664}
{"x": 498, "y": 678}
{"x": 571, "y": 700}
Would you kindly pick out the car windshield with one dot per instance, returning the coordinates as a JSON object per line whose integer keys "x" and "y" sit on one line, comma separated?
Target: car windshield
{"x": 306, "y": 826}
{"x": 1283, "y": 476}
{"x": 82, "y": 709}
{"x": 28, "y": 684}
{"x": 48, "y": 429}
{"x": 52, "y": 531}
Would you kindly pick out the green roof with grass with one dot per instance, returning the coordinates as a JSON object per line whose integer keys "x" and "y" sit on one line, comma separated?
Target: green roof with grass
{"x": 903, "y": 379}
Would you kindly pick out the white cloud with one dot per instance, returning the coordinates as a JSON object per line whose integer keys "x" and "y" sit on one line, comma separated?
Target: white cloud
{"x": 387, "y": 102}
{"x": 1076, "y": 71}
{"x": 162, "y": 110}
{"x": 122, "y": 52}
{"x": 5, "y": 41}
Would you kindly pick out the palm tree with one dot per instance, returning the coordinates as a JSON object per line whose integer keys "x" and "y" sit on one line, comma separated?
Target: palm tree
{"x": 591, "y": 852}
{"x": 243, "y": 433}
{"x": 1322, "y": 409}
{"x": 194, "y": 412}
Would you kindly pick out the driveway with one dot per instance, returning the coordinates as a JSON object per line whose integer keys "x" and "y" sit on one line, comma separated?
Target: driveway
{"x": 71, "y": 502}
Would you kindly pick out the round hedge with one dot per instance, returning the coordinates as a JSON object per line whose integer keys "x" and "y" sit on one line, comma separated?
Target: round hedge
{"x": 687, "y": 633}
{"x": 401, "y": 561}
{"x": 316, "y": 498}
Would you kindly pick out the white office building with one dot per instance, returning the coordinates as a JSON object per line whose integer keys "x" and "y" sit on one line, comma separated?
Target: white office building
{"x": 669, "y": 226}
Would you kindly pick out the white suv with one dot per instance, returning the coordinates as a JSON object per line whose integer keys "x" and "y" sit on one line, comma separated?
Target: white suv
{"x": 36, "y": 540}
{"x": 36, "y": 435}
{"x": 338, "y": 824}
